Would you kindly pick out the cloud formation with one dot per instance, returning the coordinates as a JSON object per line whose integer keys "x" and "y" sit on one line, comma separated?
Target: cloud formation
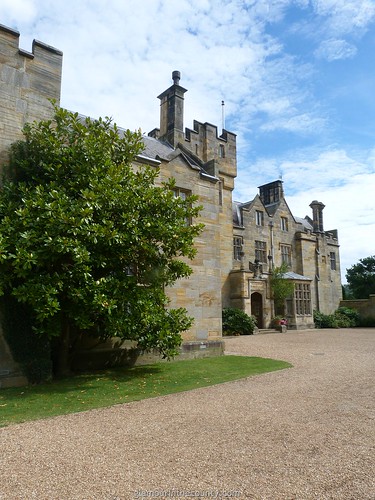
{"x": 285, "y": 69}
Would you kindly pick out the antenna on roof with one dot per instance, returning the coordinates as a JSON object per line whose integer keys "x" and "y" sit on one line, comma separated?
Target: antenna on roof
{"x": 222, "y": 115}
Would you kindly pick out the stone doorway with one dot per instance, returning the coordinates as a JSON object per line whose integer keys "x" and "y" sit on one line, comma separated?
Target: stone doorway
{"x": 257, "y": 308}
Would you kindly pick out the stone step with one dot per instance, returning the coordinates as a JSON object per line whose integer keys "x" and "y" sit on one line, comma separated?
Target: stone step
{"x": 264, "y": 331}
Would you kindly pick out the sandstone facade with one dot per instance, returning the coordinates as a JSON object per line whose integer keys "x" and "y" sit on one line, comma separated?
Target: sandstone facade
{"x": 241, "y": 242}
{"x": 266, "y": 234}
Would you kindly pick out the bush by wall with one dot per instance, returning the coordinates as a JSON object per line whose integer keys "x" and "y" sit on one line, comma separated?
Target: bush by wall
{"x": 237, "y": 322}
{"x": 343, "y": 317}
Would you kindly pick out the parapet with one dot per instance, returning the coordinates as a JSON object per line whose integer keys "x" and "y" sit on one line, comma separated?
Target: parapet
{"x": 205, "y": 142}
{"x": 28, "y": 82}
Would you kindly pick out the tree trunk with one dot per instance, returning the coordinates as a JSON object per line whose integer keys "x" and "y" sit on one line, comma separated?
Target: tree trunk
{"x": 62, "y": 359}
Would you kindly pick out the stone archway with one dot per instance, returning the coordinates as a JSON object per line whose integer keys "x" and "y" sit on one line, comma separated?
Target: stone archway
{"x": 257, "y": 308}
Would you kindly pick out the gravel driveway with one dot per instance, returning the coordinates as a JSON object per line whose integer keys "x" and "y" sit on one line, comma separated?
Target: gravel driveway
{"x": 301, "y": 433}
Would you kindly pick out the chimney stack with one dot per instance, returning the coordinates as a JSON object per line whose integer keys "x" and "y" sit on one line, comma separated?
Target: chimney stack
{"x": 172, "y": 112}
{"x": 317, "y": 209}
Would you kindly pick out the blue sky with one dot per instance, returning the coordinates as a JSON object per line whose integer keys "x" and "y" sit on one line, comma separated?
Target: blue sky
{"x": 297, "y": 78}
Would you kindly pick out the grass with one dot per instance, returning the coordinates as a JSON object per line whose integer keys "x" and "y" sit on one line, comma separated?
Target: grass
{"x": 122, "y": 385}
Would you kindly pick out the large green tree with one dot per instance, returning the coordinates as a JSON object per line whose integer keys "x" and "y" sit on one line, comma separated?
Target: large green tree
{"x": 361, "y": 278}
{"x": 89, "y": 242}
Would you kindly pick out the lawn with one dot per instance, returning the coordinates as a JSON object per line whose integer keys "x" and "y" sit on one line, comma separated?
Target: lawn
{"x": 123, "y": 385}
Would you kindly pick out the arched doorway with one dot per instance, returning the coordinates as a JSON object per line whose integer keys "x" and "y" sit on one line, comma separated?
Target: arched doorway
{"x": 257, "y": 308}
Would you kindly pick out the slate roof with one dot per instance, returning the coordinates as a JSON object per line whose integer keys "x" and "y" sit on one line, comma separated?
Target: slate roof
{"x": 236, "y": 209}
{"x": 155, "y": 148}
{"x": 306, "y": 224}
{"x": 294, "y": 276}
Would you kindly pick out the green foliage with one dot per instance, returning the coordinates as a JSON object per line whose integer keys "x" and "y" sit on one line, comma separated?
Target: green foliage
{"x": 87, "y": 240}
{"x": 32, "y": 353}
{"x": 237, "y": 322}
{"x": 324, "y": 320}
{"x": 122, "y": 385}
{"x": 347, "y": 293}
{"x": 352, "y": 315}
{"x": 343, "y": 317}
{"x": 282, "y": 288}
{"x": 361, "y": 278}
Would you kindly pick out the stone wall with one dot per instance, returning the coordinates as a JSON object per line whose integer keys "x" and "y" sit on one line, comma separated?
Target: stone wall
{"x": 365, "y": 307}
{"x": 27, "y": 81}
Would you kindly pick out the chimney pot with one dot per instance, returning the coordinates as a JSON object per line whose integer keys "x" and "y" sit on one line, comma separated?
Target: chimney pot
{"x": 176, "y": 75}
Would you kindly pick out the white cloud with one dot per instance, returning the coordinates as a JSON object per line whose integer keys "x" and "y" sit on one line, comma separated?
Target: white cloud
{"x": 17, "y": 12}
{"x": 332, "y": 50}
{"x": 345, "y": 16}
{"x": 118, "y": 56}
{"x": 341, "y": 180}
{"x": 350, "y": 209}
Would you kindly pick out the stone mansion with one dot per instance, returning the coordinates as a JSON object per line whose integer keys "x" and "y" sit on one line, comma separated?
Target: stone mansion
{"x": 241, "y": 242}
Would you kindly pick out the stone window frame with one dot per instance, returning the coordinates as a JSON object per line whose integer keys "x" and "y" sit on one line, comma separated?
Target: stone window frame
{"x": 302, "y": 299}
{"x": 183, "y": 193}
{"x": 237, "y": 247}
{"x": 286, "y": 254}
{"x": 332, "y": 259}
{"x": 260, "y": 251}
{"x": 284, "y": 224}
{"x": 259, "y": 217}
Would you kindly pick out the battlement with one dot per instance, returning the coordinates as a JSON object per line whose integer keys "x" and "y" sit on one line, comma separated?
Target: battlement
{"x": 28, "y": 82}
{"x": 204, "y": 141}
{"x": 332, "y": 237}
{"x": 38, "y": 48}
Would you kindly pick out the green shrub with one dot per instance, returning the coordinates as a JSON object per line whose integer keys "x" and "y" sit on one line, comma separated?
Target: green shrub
{"x": 324, "y": 320}
{"x": 343, "y": 317}
{"x": 237, "y": 322}
{"x": 352, "y": 315}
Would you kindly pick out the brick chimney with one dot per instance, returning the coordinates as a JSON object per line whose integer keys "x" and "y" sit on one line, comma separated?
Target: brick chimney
{"x": 172, "y": 112}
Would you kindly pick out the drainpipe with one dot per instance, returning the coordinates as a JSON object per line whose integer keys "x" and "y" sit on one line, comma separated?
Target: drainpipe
{"x": 272, "y": 259}
{"x": 317, "y": 272}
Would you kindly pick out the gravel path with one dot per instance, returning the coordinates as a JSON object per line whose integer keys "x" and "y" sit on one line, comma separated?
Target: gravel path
{"x": 301, "y": 433}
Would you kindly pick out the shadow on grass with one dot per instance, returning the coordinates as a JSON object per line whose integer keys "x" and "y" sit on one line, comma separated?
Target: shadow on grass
{"x": 71, "y": 383}
{"x": 121, "y": 385}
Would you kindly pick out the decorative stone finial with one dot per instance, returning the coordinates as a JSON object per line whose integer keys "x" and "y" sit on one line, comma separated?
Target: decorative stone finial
{"x": 176, "y": 75}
